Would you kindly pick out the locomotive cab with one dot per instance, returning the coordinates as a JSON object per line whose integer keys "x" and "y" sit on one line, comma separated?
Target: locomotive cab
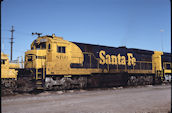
{"x": 54, "y": 54}
{"x": 6, "y": 68}
{"x": 35, "y": 58}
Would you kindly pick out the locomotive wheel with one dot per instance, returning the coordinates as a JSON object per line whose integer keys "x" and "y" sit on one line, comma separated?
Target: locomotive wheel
{"x": 8, "y": 86}
{"x": 135, "y": 80}
{"x": 65, "y": 83}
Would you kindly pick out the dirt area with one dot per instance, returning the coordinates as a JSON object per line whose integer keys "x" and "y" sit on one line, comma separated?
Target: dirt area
{"x": 148, "y": 99}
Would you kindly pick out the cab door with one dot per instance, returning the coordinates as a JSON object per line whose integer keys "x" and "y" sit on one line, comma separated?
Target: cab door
{"x": 62, "y": 62}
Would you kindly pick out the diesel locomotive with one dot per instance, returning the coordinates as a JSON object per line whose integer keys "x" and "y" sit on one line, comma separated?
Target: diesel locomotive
{"x": 8, "y": 74}
{"x": 55, "y": 63}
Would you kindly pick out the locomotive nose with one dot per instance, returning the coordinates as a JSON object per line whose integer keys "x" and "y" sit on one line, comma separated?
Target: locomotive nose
{"x": 29, "y": 59}
{"x": 35, "y": 59}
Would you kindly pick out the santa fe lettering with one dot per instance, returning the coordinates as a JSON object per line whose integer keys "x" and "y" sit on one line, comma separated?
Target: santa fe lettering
{"x": 118, "y": 59}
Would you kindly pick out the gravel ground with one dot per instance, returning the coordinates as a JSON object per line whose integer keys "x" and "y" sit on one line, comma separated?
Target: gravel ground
{"x": 148, "y": 99}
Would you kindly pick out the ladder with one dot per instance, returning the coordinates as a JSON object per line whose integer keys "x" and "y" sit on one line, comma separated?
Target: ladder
{"x": 40, "y": 78}
{"x": 158, "y": 77}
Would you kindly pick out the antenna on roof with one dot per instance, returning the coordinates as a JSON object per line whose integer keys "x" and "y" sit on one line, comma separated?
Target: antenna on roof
{"x": 37, "y": 34}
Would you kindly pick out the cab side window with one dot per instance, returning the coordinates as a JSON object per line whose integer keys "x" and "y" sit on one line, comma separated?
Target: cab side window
{"x": 58, "y": 49}
{"x": 61, "y": 49}
{"x": 2, "y": 61}
{"x": 49, "y": 46}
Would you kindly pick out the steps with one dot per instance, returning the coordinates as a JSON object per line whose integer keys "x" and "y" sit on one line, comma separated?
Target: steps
{"x": 40, "y": 78}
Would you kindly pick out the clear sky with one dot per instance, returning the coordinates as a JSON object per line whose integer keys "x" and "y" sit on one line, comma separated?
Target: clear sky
{"x": 130, "y": 23}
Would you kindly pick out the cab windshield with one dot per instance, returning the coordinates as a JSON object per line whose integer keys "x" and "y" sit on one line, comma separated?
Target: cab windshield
{"x": 39, "y": 45}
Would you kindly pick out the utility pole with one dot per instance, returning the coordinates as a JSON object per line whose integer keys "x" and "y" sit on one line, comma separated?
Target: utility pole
{"x": 12, "y": 30}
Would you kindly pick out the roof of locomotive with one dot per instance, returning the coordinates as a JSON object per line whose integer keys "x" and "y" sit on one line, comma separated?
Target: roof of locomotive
{"x": 95, "y": 45}
{"x": 123, "y": 47}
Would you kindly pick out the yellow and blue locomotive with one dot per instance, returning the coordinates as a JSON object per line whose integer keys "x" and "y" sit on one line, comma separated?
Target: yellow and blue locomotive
{"x": 55, "y": 63}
